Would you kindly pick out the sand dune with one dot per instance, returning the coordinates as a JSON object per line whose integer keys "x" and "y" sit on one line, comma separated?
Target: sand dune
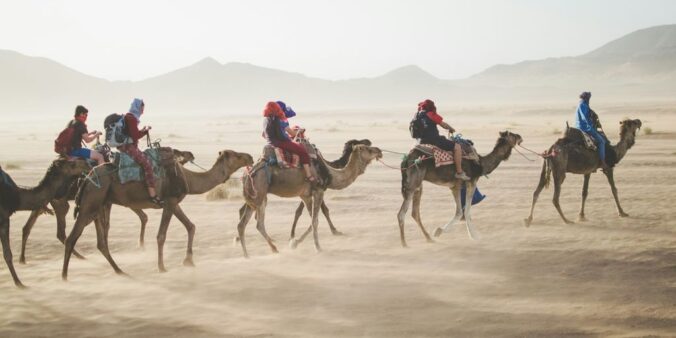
{"x": 608, "y": 276}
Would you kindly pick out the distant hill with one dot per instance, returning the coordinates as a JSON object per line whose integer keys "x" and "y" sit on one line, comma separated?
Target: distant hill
{"x": 640, "y": 64}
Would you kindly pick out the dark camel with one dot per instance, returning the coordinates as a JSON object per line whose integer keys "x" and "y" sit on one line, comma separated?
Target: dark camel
{"x": 60, "y": 206}
{"x": 337, "y": 164}
{"x": 15, "y": 198}
{"x": 292, "y": 183}
{"x": 412, "y": 177}
{"x": 569, "y": 155}
{"x": 93, "y": 203}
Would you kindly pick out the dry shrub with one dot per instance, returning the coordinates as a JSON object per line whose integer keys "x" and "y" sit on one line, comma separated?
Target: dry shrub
{"x": 11, "y": 166}
{"x": 231, "y": 189}
{"x": 647, "y": 131}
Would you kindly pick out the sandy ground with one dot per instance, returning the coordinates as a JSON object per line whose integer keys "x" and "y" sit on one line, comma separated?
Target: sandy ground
{"x": 608, "y": 276}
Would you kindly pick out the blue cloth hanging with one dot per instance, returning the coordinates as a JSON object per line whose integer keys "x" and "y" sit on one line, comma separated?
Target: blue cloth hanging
{"x": 478, "y": 197}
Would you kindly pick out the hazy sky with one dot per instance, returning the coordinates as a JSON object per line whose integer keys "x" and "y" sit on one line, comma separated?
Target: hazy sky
{"x": 132, "y": 40}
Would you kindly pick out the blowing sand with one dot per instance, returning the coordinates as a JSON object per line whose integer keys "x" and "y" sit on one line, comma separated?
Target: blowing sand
{"x": 608, "y": 276}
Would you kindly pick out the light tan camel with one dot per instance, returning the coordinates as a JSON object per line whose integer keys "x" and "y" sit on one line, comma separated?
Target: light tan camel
{"x": 291, "y": 183}
{"x": 571, "y": 156}
{"x": 60, "y": 172}
{"x": 60, "y": 206}
{"x": 413, "y": 174}
{"x": 176, "y": 185}
{"x": 337, "y": 164}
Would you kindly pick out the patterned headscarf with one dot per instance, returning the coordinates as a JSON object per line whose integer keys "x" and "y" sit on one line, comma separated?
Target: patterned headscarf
{"x": 288, "y": 112}
{"x": 135, "y": 108}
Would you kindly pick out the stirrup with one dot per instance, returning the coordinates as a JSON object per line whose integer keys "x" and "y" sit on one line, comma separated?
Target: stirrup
{"x": 157, "y": 201}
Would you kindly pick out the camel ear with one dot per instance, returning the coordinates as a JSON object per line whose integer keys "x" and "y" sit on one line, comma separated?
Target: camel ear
{"x": 503, "y": 133}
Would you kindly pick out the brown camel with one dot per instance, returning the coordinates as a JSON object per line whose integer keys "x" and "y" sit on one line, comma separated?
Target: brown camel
{"x": 178, "y": 183}
{"x": 292, "y": 183}
{"x": 60, "y": 206}
{"x": 13, "y": 199}
{"x": 414, "y": 172}
{"x": 569, "y": 155}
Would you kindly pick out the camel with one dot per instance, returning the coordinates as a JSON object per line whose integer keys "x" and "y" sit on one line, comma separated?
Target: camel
{"x": 60, "y": 208}
{"x": 16, "y": 198}
{"x": 337, "y": 164}
{"x": 570, "y": 156}
{"x": 414, "y": 172}
{"x": 292, "y": 183}
{"x": 178, "y": 183}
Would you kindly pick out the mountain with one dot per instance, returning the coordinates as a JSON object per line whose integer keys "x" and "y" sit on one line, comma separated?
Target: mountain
{"x": 641, "y": 64}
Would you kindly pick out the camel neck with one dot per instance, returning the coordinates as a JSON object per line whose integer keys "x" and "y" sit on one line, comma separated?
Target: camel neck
{"x": 39, "y": 196}
{"x": 491, "y": 161}
{"x": 624, "y": 145}
{"x": 199, "y": 183}
{"x": 342, "y": 178}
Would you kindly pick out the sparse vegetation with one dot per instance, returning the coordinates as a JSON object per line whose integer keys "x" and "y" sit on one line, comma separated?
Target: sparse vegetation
{"x": 231, "y": 189}
{"x": 556, "y": 131}
{"x": 647, "y": 131}
{"x": 11, "y": 166}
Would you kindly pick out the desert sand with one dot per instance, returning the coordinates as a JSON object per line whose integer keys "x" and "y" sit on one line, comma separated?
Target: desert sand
{"x": 608, "y": 276}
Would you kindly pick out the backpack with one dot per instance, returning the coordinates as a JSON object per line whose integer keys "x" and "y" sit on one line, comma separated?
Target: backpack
{"x": 63, "y": 143}
{"x": 115, "y": 134}
{"x": 416, "y": 126}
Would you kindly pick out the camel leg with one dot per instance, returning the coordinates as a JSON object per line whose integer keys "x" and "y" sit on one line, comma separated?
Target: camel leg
{"x": 585, "y": 192}
{"x": 167, "y": 212}
{"x": 61, "y": 208}
{"x": 471, "y": 231}
{"x": 293, "y": 243}
{"x": 611, "y": 181}
{"x": 26, "y": 232}
{"x": 536, "y": 194}
{"x": 400, "y": 216}
{"x": 558, "y": 180}
{"x": 318, "y": 197}
{"x": 415, "y": 213}
{"x": 80, "y": 223}
{"x": 458, "y": 213}
{"x": 102, "y": 225}
{"x": 7, "y": 251}
{"x": 241, "y": 226}
{"x": 260, "y": 225}
{"x": 143, "y": 217}
{"x": 299, "y": 212}
{"x": 190, "y": 227}
{"x": 325, "y": 211}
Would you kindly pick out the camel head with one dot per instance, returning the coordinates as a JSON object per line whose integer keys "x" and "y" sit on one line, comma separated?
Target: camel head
{"x": 230, "y": 161}
{"x": 512, "y": 139}
{"x": 351, "y": 143}
{"x": 183, "y": 157}
{"x": 367, "y": 153}
{"x": 629, "y": 127}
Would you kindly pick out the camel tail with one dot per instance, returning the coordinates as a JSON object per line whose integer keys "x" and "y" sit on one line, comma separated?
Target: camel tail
{"x": 404, "y": 176}
{"x": 78, "y": 197}
{"x": 546, "y": 174}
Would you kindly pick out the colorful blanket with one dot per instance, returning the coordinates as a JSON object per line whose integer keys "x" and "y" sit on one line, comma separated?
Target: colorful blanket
{"x": 130, "y": 171}
{"x": 444, "y": 157}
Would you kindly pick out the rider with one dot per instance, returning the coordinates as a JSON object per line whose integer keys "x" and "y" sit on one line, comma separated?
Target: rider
{"x": 80, "y": 134}
{"x": 585, "y": 121}
{"x": 427, "y": 111}
{"x": 131, "y": 120}
{"x": 277, "y": 133}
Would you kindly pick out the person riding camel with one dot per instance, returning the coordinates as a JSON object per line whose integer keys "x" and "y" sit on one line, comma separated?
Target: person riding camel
{"x": 427, "y": 113}
{"x": 587, "y": 121}
{"x": 131, "y": 121}
{"x": 279, "y": 134}
{"x": 80, "y": 134}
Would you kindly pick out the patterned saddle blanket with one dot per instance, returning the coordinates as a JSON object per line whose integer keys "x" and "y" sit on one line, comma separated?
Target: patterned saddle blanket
{"x": 130, "y": 171}
{"x": 581, "y": 136}
{"x": 285, "y": 159}
{"x": 445, "y": 157}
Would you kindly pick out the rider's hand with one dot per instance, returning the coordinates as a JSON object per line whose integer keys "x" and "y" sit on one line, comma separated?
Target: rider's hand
{"x": 451, "y": 130}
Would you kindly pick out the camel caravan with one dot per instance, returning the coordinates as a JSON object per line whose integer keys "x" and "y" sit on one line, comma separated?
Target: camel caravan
{"x": 290, "y": 166}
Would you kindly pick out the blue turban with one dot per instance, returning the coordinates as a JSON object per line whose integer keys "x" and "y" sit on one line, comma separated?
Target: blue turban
{"x": 288, "y": 112}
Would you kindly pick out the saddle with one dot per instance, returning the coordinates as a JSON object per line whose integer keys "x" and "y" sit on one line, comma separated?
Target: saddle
{"x": 129, "y": 171}
{"x": 445, "y": 157}
{"x": 579, "y": 136}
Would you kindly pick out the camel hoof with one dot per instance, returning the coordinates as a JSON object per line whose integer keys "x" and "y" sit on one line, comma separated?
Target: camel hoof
{"x": 582, "y": 219}
{"x": 438, "y": 232}
{"x": 293, "y": 243}
{"x": 22, "y": 260}
{"x": 188, "y": 262}
{"x": 475, "y": 236}
{"x": 404, "y": 245}
{"x": 64, "y": 278}
{"x": 20, "y": 285}
{"x": 122, "y": 273}
{"x": 430, "y": 240}
{"x": 162, "y": 270}
{"x": 318, "y": 250}
{"x": 141, "y": 246}
{"x": 235, "y": 240}
{"x": 569, "y": 222}
{"x": 623, "y": 214}
{"x": 338, "y": 233}
{"x": 527, "y": 222}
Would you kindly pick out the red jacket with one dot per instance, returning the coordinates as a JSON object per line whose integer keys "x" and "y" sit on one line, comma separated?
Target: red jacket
{"x": 132, "y": 128}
